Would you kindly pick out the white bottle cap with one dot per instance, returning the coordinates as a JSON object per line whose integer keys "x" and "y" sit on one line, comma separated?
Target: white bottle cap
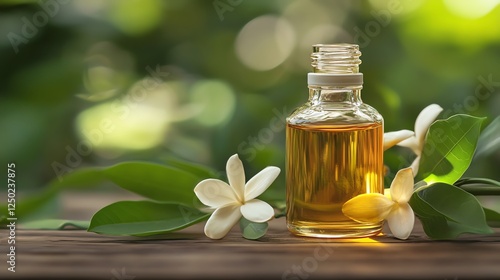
{"x": 327, "y": 79}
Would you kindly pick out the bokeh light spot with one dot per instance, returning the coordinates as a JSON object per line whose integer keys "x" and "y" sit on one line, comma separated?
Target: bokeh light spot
{"x": 136, "y": 16}
{"x": 215, "y": 101}
{"x": 139, "y": 120}
{"x": 471, "y": 9}
{"x": 265, "y": 42}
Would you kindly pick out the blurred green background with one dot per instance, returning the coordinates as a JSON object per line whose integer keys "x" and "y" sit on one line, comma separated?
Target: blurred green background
{"x": 94, "y": 82}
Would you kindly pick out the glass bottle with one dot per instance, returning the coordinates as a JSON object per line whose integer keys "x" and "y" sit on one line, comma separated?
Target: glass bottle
{"x": 334, "y": 148}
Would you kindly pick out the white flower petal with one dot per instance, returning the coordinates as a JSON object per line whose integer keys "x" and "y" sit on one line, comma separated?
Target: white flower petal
{"x": 402, "y": 186}
{"x": 215, "y": 193}
{"x": 415, "y": 165}
{"x": 394, "y": 137}
{"x": 368, "y": 207}
{"x": 236, "y": 175}
{"x": 221, "y": 221}
{"x": 412, "y": 144}
{"x": 257, "y": 211}
{"x": 401, "y": 221}
{"x": 260, "y": 182}
{"x": 424, "y": 121}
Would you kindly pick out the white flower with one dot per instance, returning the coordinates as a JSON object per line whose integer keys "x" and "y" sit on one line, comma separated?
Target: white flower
{"x": 236, "y": 198}
{"x": 375, "y": 207}
{"x": 414, "y": 142}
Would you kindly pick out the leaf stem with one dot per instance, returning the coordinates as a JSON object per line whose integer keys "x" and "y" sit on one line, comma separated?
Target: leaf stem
{"x": 480, "y": 189}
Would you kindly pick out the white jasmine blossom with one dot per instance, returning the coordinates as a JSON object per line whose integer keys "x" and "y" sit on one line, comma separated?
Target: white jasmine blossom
{"x": 375, "y": 207}
{"x": 236, "y": 199}
{"x": 416, "y": 141}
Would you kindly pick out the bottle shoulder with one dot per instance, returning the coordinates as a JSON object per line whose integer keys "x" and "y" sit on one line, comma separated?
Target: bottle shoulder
{"x": 335, "y": 114}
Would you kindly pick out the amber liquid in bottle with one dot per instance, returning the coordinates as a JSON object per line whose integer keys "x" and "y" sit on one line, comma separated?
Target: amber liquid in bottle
{"x": 326, "y": 166}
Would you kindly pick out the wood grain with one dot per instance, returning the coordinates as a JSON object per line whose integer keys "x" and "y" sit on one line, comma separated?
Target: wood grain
{"x": 76, "y": 254}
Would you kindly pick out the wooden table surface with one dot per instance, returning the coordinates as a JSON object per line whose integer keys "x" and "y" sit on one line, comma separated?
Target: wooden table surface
{"x": 76, "y": 254}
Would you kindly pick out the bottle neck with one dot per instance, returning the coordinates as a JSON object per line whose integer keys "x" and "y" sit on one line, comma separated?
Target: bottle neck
{"x": 347, "y": 95}
{"x": 336, "y": 58}
{"x": 335, "y": 78}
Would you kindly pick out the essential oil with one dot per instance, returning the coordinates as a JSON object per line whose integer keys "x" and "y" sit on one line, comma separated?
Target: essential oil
{"x": 334, "y": 148}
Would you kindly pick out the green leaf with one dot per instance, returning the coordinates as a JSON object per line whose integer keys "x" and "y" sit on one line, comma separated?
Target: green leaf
{"x": 492, "y": 217}
{"x": 79, "y": 179}
{"x": 144, "y": 218}
{"x": 55, "y": 224}
{"x": 201, "y": 171}
{"x": 154, "y": 181}
{"x": 449, "y": 148}
{"x": 489, "y": 141}
{"x": 456, "y": 204}
{"x": 251, "y": 230}
{"x": 447, "y": 211}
